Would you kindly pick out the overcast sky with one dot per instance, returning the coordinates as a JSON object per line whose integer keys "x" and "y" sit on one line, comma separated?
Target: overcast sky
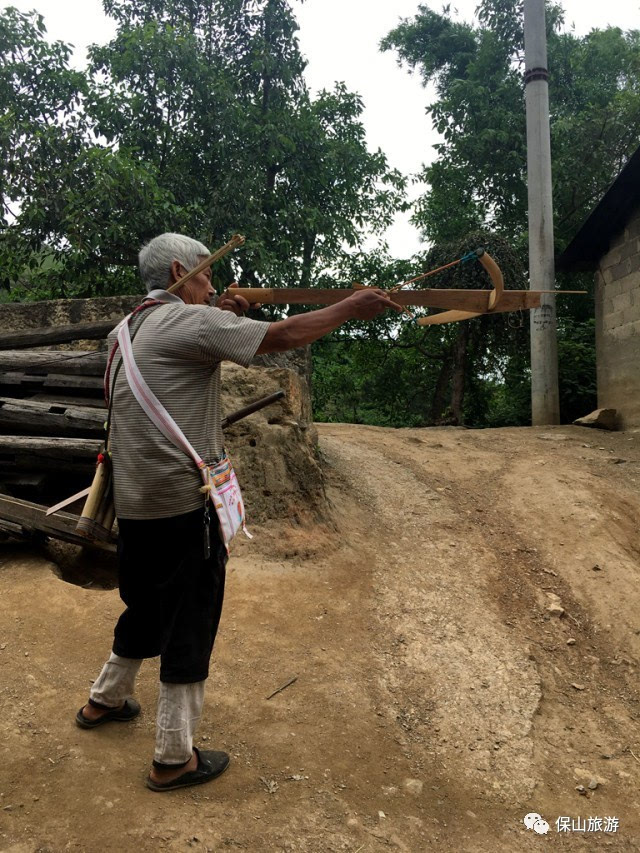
{"x": 340, "y": 39}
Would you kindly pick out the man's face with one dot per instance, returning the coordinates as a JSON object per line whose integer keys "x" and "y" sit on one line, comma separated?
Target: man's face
{"x": 198, "y": 290}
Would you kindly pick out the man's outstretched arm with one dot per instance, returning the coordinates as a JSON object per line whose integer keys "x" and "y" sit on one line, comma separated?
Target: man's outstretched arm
{"x": 303, "y": 329}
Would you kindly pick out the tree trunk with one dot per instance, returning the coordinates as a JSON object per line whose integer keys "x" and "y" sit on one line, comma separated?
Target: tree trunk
{"x": 307, "y": 259}
{"x": 440, "y": 394}
{"x": 273, "y": 168}
{"x": 459, "y": 371}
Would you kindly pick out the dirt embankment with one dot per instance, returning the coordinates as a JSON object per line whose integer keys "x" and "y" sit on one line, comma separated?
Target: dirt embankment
{"x": 465, "y": 636}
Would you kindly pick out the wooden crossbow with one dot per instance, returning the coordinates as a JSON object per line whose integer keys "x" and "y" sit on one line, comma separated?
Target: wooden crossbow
{"x": 458, "y": 304}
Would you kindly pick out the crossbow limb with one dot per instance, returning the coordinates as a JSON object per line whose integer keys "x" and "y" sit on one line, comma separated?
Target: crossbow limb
{"x": 495, "y": 273}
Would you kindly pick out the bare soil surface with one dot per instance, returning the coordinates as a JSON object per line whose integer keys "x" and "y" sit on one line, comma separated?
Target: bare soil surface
{"x": 465, "y": 636}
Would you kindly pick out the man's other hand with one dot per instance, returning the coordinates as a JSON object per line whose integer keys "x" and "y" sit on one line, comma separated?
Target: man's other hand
{"x": 367, "y": 303}
{"x": 230, "y": 301}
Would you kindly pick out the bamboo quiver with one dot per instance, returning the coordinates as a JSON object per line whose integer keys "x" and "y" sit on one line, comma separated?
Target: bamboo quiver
{"x": 98, "y": 513}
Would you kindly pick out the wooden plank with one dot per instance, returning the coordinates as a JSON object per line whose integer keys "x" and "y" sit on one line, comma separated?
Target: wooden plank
{"x": 51, "y": 454}
{"x": 57, "y": 334}
{"x": 11, "y": 528}
{"x": 463, "y": 300}
{"x": 90, "y": 385}
{"x": 30, "y": 417}
{"x": 31, "y": 518}
{"x": 34, "y": 418}
{"x": 74, "y": 362}
{"x": 74, "y": 383}
{"x": 67, "y": 400}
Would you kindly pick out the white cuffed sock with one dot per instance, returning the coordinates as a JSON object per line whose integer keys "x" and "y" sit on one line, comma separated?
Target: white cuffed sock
{"x": 179, "y": 709}
{"x": 116, "y": 681}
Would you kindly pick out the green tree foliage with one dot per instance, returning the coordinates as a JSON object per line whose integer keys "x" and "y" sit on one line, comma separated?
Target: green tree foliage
{"x": 400, "y": 374}
{"x": 478, "y": 178}
{"x": 41, "y": 133}
{"x": 477, "y": 70}
{"x": 194, "y": 118}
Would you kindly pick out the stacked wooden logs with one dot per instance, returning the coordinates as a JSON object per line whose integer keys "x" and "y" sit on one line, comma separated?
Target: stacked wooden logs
{"x": 52, "y": 417}
{"x": 51, "y": 401}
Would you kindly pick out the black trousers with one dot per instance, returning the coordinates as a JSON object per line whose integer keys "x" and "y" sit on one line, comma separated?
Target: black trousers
{"x": 173, "y": 594}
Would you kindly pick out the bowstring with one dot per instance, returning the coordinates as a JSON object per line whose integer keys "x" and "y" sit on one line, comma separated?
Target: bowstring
{"x": 470, "y": 256}
{"x": 464, "y": 259}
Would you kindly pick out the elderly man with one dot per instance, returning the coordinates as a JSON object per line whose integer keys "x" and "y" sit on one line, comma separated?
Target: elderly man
{"x": 170, "y": 581}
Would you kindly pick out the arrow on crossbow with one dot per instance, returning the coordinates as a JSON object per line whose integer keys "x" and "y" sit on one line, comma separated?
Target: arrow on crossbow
{"x": 458, "y": 304}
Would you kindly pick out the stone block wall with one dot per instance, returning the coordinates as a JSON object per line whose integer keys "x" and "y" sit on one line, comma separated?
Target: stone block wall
{"x": 618, "y": 325}
{"x": 22, "y": 316}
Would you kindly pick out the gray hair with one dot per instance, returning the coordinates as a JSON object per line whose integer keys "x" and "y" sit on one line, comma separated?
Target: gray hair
{"x": 157, "y": 255}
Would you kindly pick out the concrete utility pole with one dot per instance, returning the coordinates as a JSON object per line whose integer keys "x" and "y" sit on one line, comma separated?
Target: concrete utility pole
{"x": 545, "y": 401}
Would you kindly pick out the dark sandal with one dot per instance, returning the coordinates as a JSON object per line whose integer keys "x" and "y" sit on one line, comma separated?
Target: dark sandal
{"x": 129, "y": 710}
{"x": 211, "y": 763}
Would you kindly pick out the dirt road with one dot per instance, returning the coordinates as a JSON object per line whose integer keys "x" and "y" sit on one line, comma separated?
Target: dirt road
{"x": 466, "y": 641}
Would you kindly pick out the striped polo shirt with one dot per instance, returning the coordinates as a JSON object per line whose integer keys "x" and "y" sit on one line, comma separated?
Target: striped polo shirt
{"x": 178, "y": 349}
